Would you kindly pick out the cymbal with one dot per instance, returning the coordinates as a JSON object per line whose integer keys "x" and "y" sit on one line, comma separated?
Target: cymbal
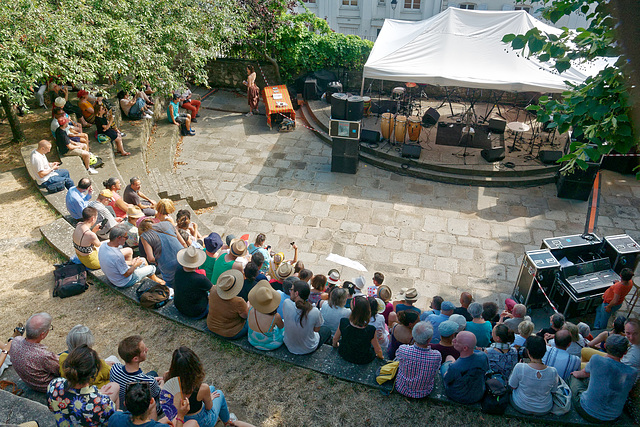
{"x": 410, "y": 84}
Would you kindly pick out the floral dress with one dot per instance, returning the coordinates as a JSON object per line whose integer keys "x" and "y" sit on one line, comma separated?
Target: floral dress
{"x": 85, "y": 407}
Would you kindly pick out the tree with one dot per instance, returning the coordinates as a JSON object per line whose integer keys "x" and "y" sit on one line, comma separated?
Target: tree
{"x": 598, "y": 110}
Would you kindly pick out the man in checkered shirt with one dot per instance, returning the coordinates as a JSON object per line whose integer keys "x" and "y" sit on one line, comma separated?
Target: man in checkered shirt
{"x": 418, "y": 365}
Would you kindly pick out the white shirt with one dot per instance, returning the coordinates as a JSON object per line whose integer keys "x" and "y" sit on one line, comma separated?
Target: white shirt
{"x": 39, "y": 162}
{"x": 301, "y": 339}
{"x": 530, "y": 392}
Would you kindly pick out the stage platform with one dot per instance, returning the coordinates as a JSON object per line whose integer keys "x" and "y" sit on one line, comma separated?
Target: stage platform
{"x": 444, "y": 156}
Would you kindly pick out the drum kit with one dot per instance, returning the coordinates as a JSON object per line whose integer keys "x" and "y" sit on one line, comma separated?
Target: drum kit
{"x": 403, "y": 124}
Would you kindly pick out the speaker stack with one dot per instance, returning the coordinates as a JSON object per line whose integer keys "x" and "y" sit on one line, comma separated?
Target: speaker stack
{"x": 344, "y": 128}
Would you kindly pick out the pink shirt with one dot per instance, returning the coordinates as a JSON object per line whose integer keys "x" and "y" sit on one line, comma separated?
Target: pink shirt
{"x": 35, "y": 365}
{"x": 114, "y": 198}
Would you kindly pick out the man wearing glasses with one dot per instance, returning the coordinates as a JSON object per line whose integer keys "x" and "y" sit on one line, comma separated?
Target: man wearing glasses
{"x": 35, "y": 365}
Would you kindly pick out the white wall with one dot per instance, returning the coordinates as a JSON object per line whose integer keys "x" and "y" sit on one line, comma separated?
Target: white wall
{"x": 365, "y": 17}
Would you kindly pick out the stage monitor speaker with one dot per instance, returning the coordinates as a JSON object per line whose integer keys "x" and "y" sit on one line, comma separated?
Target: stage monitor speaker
{"x": 549, "y": 157}
{"x": 344, "y": 129}
{"x": 344, "y": 164}
{"x": 497, "y": 125}
{"x": 578, "y": 184}
{"x": 310, "y": 89}
{"x": 355, "y": 108}
{"x": 493, "y": 154}
{"x": 339, "y": 106}
{"x": 411, "y": 151}
{"x": 430, "y": 117}
{"x": 345, "y": 147}
{"x": 367, "y": 135}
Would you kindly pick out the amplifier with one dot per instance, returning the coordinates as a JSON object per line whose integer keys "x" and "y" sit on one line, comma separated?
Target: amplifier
{"x": 577, "y": 248}
{"x": 344, "y": 129}
{"x": 537, "y": 265}
{"x": 622, "y": 251}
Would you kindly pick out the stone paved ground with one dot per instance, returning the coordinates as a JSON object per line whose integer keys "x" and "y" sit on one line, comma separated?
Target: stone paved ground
{"x": 440, "y": 238}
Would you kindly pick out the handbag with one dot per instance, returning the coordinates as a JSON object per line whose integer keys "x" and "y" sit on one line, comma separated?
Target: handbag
{"x": 387, "y": 372}
{"x": 561, "y": 398}
{"x": 70, "y": 280}
{"x": 153, "y": 295}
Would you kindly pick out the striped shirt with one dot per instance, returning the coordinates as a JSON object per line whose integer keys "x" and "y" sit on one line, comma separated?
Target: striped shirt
{"x": 417, "y": 370}
{"x": 123, "y": 378}
{"x": 564, "y": 362}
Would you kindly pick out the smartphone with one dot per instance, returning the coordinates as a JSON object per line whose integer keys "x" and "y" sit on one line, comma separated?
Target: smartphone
{"x": 292, "y": 243}
{"x": 103, "y": 223}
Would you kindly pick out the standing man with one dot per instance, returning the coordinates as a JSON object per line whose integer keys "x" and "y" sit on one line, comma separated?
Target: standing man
{"x": 78, "y": 198}
{"x": 134, "y": 196}
{"x": 48, "y": 173}
{"x": 613, "y": 298}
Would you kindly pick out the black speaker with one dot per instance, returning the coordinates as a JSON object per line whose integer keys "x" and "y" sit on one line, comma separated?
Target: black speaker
{"x": 384, "y": 106}
{"x": 344, "y": 164}
{"x": 367, "y": 135}
{"x": 310, "y": 89}
{"x": 430, "y": 117}
{"x": 345, "y": 147}
{"x": 411, "y": 151}
{"x": 549, "y": 157}
{"x": 493, "y": 154}
{"x": 355, "y": 108}
{"x": 578, "y": 184}
{"x": 497, "y": 125}
{"x": 339, "y": 106}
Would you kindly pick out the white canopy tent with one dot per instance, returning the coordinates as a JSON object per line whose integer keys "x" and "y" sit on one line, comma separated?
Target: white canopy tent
{"x": 464, "y": 48}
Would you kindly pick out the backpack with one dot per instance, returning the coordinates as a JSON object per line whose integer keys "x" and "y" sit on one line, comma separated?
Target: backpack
{"x": 70, "y": 280}
{"x": 152, "y": 295}
{"x": 54, "y": 187}
{"x": 496, "y": 394}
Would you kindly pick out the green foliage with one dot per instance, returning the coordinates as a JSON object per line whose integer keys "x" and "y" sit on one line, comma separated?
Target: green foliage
{"x": 598, "y": 109}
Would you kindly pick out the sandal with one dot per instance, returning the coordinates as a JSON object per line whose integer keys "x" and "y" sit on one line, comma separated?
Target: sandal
{"x": 232, "y": 419}
{"x": 11, "y": 387}
{"x": 125, "y": 154}
{"x": 19, "y": 329}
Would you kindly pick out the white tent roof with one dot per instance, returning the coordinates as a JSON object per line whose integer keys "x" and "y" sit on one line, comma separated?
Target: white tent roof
{"x": 464, "y": 48}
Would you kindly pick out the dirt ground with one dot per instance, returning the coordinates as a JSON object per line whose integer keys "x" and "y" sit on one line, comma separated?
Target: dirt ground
{"x": 258, "y": 390}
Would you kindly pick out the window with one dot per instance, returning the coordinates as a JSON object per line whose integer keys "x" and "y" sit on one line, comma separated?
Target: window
{"x": 412, "y": 4}
{"x": 349, "y": 2}
{"x": 525, "y": 8}
{"x": 468, "y": 6}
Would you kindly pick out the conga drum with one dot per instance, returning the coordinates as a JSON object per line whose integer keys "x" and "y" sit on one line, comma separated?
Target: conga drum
{"x": 414, "y": 127}
{"x": 386, "y": 125}
{"x": 401, "y": 128}
{"x": 367, "y": 105}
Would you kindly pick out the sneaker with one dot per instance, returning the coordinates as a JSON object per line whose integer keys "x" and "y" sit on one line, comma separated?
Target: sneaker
{"x": 194, "y": 121}
{"x": 197, "y": 115}
{"x": 92, "y": 171}
{"x": 122, "y": 134}
{"x": 191, "y": 133}
{"x": 146, "y": 116}
{"x": 249, "y": 114}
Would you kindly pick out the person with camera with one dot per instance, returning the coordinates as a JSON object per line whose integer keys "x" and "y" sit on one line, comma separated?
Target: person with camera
{"x": 106, "y": 219}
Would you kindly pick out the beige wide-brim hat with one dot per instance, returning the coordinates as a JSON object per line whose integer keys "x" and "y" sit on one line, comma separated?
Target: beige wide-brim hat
{"x": 284, "y": 270}
{"x": 410, "y": 294}
{"x": 229, "y": 284}
{"x": 191, "y": 257}
{"x": 381, "y": 305}
{"x": 134, "y": 212}
{"x": 238, "y": 247}
{"x": 264, "y": 298}
{"x": 60, "y": 102}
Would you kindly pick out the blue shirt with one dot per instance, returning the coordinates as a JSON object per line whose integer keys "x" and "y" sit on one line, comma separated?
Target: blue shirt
{"x": 176, "y": 110}
{"x": 76, "y": 202}
{"x": 283, "y": 298}
{"x": 609, "y": 385}
{"x": 123, "y": 419}
{"x": 265, "y": 253}
{"x": 462, "y": 386}
{"x": 435, "y": 320}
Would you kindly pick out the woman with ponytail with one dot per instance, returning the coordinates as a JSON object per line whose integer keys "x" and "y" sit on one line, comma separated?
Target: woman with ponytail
{"x": 304, "y": 332}
{"x": 73, "y": 399}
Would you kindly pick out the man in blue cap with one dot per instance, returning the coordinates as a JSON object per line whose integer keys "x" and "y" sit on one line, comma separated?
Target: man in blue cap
{"x": 446, "y": 310}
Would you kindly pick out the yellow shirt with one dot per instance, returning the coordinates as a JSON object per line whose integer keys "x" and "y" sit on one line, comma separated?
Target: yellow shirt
{"x": 103, "y": 375}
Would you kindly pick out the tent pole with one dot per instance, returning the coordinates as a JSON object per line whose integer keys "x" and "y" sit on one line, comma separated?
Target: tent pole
{"x": 362, "y": 86}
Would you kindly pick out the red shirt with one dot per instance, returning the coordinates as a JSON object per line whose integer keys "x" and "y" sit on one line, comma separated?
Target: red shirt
{"x": 618, "y": 288}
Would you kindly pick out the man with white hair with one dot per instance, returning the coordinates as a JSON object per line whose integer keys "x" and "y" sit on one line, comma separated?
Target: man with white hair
{"x": 34, "y": 364}
{"x": 517, "y": 317}
{"x": 418, "y": 363}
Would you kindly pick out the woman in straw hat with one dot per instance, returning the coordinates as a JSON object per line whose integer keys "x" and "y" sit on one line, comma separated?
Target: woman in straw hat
{"x": 228, "y": 312}
{"x": 191, "y": 289}
{"x": 266, "y": 328}
{"x": 408, "y": 297}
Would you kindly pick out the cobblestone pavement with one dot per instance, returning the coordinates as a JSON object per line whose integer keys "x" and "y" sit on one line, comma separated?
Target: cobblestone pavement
{"x": 440, "y": 238}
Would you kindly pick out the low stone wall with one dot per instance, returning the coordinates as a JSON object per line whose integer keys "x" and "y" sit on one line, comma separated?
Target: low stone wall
{"x": 230, "y": 73}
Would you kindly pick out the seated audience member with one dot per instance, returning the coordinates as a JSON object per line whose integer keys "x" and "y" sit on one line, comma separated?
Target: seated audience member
{"x": 304, "y": 331}
{"x": 400, "y": 332}
{"x": 478, "y": 326}
{"x": 385, "y": 294}
{"x": 465, "y": 300}
{"x": 525, "y": 329}
{"x": 251, "y": 271}
{"x": 434, "y": 307}
{"x": 558, "y": 356}
{"x": 556, "y": 321}
{"x": 350, "y": 287}
{"x": 135, "y": 109}
{"x": 191, "y": 289}
{"x": 502, "y": 357}
{"x": 104, "y": 214}
{"x": 133, "y": 351}
{"x": 490, "y": 312}
{"x": 119, "y": 206}
{"x": 48, "y": 174}
{"x": 377, "y": 320}
{"x": 206, "y": 404}
{"x": 81, "y": 335}
{"x": 408, "y": 297}
{"x": 258, "y": 246}
{"x": 283, "y": 271}
{"x": 287, "y": 285}
{"x": 78, "y": 197}
{"x": 34, "y": 364}
{"x": 226, "y": 262}
{"x": 66, "y": 147}
{"x": 266, "y": 327}
{"x": 119, "y": 266}
{"x": 448, "y": 331}
{"x": 513, "y": 319}
{"x": 601, "y": 338}
{"x": 188, "y": 103}
{"x": 632, "y": 333}
{"x": 305, "y": 275}
{"x": 417, "y": 364}
{"x": 133, "y": 215}
{"x": 86, "y": 107}
{"x": 356, "y": 338}
{"x": 297, "y": 268}
{"x": 85, "y": 240}
{"x": 212, "y": 245}
{"x": 334, "y": 310}
{"x": 333, "y": 279}
{"x": 164, "y": 209}
{"x": 463, "y": 378}
{"x": 460, "y": 320}
{"x": 533, "y": 382}
{"x": 183, "y": 221}
{"x": 74, "y": 130}
{"x": 600, "y": 390}
{"x": 176, "y": 117}
{"x": 90, "y": 406}
{"x": 60, "y": 95}
{"x": 228, "y": 312}
{"x": 359, "y": 283}
{"x": 141, "y": 409}
{"x": 372, "y": 290}
{"x": 318, "y": 285}
{"x": 134, "y": 196}
{"x": 577, "y": 342}
{"x": 585, "y": 331}
{"x": 105, "y": 126}
{"x": 613, "y": 298}
{"x": 446, "y": 310}
{"x": 161, "y": 243}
